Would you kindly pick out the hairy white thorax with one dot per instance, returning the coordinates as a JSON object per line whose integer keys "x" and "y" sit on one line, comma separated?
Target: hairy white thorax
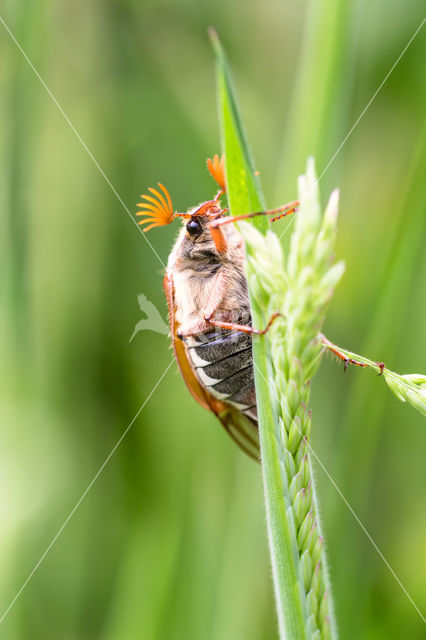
{"x": 195, "y": 266}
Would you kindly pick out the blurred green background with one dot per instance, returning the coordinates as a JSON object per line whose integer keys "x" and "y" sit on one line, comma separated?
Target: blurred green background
{"x": 170, "y": 541}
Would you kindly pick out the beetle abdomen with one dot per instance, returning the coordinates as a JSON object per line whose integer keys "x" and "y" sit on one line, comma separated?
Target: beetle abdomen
{"x": 223, "y": 363}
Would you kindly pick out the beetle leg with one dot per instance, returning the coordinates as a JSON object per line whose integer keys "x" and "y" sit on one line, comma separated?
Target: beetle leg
{"x": 278, "y": 213}
{"x": 381, "y": 366}
{"x": 334, "y": 349}
{"x": 218, "y": 237}
{"x": 284, "y": 210}
{"x": 213, "y": 302}
{"x": 244, "y": 328}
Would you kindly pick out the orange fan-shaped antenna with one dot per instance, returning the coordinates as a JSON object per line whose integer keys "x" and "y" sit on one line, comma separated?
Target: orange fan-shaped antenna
{"x": 216, "y": 169}
{"x": 158, "y": 211}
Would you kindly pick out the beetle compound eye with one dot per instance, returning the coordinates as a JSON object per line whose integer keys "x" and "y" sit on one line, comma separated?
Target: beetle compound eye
{"x": 194, "y": 228}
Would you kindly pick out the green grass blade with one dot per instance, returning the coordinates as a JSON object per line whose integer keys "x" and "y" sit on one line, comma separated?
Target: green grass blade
{"x": 244, "y": 190}
{"x": 296, "y": 590}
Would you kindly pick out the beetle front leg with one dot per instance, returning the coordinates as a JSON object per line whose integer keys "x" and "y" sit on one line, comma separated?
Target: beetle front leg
{"x": 278, "y": 213}
{"x": 218, "y": 236}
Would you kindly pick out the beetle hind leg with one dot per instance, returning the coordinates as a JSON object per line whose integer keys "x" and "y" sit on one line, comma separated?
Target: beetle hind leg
{"x": 335, "y": 349}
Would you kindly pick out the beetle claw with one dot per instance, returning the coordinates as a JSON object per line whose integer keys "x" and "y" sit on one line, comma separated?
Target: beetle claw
{"x": 381, "y": 366}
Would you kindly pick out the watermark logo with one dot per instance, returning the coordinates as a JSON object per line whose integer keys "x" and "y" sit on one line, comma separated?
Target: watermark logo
{"x": 153, "y": 320}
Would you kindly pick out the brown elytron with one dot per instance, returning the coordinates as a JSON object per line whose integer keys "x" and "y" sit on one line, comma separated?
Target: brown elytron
{"x": 209, "y": 311}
